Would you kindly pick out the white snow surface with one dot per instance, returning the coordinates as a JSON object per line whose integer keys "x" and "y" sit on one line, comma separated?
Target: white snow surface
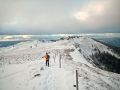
{"x": 22, "y": 68}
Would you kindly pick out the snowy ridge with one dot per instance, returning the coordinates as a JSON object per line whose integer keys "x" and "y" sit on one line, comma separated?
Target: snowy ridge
{"x": 23, "y": 66}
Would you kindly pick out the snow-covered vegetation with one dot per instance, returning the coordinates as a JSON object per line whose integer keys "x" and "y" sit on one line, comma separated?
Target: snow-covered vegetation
{"x": 22, "y": 66}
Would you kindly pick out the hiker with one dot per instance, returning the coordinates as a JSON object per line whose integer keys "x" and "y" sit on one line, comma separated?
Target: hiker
{"x": 47, "y": 57}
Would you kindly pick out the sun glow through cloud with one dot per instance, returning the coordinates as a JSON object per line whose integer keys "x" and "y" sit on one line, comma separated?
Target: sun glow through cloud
{"x": 91, "y": 10}
{"x": 98, "y": 14}
{"x": 83, "y": 16}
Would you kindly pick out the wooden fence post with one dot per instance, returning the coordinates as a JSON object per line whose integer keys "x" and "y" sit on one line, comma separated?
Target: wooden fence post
{"x": 76, "y": 79}
{"x": 60, "y": 61}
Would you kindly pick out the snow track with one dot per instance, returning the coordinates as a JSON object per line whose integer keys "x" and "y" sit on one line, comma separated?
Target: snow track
{"x": 56, "y": 79}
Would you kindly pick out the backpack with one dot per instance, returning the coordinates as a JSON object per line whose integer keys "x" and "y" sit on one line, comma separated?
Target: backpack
{"x": 47, "y": 57}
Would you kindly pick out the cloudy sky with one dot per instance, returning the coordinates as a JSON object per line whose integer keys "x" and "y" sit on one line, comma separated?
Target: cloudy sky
{"x": 59, "y": 16}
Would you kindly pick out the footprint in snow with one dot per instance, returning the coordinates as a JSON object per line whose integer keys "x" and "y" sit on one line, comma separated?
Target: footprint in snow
{"x": 41, "y": 68}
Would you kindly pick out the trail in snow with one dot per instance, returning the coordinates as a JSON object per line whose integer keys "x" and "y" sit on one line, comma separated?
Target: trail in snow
{"x": 62, "y": 79}
{"x": 56, "y": 78}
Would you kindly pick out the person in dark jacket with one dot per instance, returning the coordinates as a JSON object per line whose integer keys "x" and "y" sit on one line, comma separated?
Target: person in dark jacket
{"x": 47, "y": 57}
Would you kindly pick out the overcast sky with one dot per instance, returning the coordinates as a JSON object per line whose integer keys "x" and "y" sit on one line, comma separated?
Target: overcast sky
{"x": 59, "y": 16}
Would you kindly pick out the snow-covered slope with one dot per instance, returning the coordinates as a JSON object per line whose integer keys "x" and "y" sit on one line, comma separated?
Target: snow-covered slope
{"x": 96, "y": 53}
{"x": 22, "y": 68}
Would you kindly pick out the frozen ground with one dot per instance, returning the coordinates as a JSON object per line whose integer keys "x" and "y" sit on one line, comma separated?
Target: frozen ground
{"x": 22, "y": 68}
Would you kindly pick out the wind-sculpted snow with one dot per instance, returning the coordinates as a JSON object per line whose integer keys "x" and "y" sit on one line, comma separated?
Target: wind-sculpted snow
{"x": 22, "y": 66}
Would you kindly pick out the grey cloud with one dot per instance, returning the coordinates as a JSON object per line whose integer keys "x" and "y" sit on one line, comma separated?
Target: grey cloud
{"x": 108, "y": 17}
{"x": 49, "y": 16}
